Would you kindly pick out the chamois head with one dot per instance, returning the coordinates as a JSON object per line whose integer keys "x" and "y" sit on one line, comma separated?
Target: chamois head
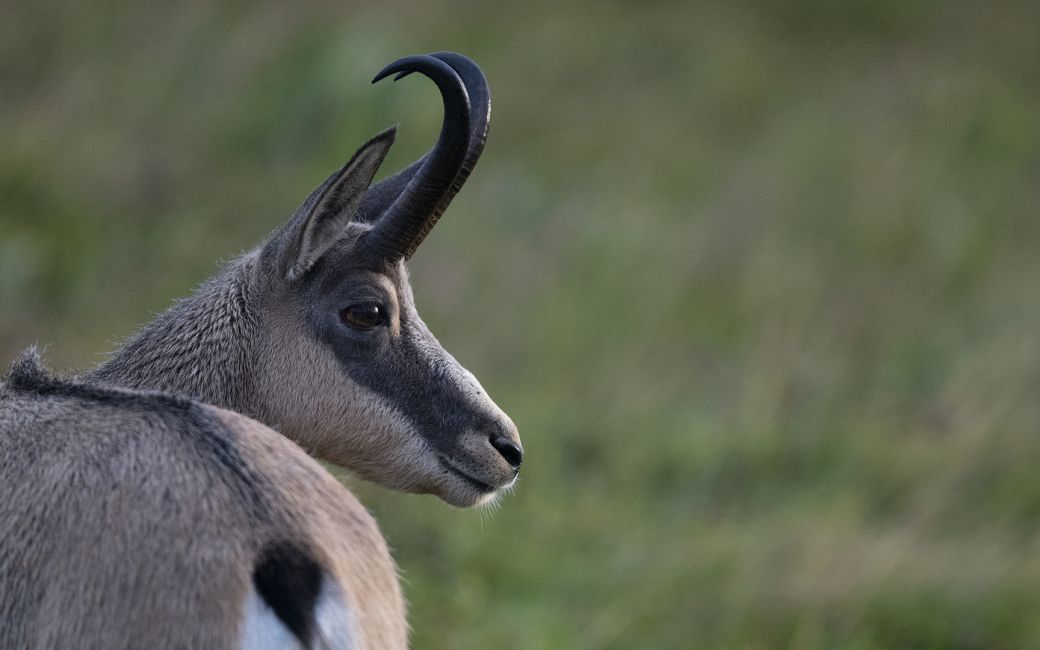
{"x": 347, "y": 368}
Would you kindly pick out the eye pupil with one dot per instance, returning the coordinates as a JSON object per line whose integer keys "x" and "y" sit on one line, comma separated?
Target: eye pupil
{"x": 364, "y": 316}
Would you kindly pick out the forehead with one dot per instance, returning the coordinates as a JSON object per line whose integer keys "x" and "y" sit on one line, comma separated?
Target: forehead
{"x": 343, "y": 269}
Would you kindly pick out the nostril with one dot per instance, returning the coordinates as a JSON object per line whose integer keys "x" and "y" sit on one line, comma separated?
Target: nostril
{"x": 509, "y": 450}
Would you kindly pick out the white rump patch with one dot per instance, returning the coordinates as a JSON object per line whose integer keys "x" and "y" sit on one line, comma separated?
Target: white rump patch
{"x": 263, "y": 630}
{"x": 336, "y": 624}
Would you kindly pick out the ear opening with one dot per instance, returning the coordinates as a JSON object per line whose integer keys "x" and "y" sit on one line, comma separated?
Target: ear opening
{"x": 323, "y": 225}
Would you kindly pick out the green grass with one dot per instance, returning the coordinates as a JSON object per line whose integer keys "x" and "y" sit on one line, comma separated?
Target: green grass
{"x": 759, "y": 283}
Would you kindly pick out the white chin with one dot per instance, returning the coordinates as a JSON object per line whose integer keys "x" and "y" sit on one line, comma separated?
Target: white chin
{"x": 487, "y": 498}
{"x": 467, "y": 498}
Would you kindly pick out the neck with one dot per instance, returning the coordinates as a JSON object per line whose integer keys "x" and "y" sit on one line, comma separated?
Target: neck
{"x": 198, "y": 348}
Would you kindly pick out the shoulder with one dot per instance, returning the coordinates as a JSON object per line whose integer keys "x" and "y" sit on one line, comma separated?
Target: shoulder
{"x": 39, "y": 402}
{"x": 29, "y": 377}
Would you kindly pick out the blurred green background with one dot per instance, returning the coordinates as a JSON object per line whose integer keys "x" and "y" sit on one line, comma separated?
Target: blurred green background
{"x": 758, "y": 281}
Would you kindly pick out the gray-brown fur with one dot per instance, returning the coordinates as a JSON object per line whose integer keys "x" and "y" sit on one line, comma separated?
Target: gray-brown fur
{"x": 135, "y": 519}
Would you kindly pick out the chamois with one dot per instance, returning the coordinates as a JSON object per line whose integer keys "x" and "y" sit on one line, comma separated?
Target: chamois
{"x": 133, "y": 519}
{"x": 315, "y": 332}
{"x": 142, "y": 507}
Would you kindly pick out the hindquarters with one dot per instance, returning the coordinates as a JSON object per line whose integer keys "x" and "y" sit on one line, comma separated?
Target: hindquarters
{"x": 166, "y": 524}
{"x": 339, "y": 568}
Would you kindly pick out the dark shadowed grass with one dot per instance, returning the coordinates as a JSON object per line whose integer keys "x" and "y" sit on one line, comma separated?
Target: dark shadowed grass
{"x": 759, "y": 283}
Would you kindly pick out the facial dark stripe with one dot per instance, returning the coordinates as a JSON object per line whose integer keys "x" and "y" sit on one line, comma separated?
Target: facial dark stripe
{"x": 425, "y": 385}
{"x": 411, "y": 371}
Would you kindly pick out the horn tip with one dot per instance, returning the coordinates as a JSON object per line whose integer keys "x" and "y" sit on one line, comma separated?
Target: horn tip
{"x": 384, "y": 73}
{"x": 399, "y": 65}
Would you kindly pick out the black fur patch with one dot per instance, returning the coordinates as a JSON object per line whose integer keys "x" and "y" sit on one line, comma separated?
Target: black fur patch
{"x": 289, "y": 581}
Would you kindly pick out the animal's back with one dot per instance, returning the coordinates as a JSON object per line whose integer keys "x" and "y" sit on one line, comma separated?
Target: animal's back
{"x": 145, "y": 520}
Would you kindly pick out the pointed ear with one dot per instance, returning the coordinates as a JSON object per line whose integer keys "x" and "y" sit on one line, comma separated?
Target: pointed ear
{"x": 335, "y": 206}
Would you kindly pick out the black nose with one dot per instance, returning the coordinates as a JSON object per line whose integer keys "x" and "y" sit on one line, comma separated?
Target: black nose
{"x": 512, "y": 452}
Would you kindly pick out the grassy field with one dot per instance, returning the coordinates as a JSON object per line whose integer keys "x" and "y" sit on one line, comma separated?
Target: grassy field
{"x": 759, "y": 282}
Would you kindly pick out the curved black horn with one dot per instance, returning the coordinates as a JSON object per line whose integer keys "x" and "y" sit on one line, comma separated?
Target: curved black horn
{"x": 402, "y": 225}
{"x": 386, "y": 191}
{"x": 479, "y": 118}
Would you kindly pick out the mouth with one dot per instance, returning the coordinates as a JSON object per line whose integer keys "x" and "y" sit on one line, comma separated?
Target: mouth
{"x": 475, "y": 483}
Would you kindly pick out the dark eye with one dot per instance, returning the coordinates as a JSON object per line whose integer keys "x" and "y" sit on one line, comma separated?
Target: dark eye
{"x": 364, "y": 316}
